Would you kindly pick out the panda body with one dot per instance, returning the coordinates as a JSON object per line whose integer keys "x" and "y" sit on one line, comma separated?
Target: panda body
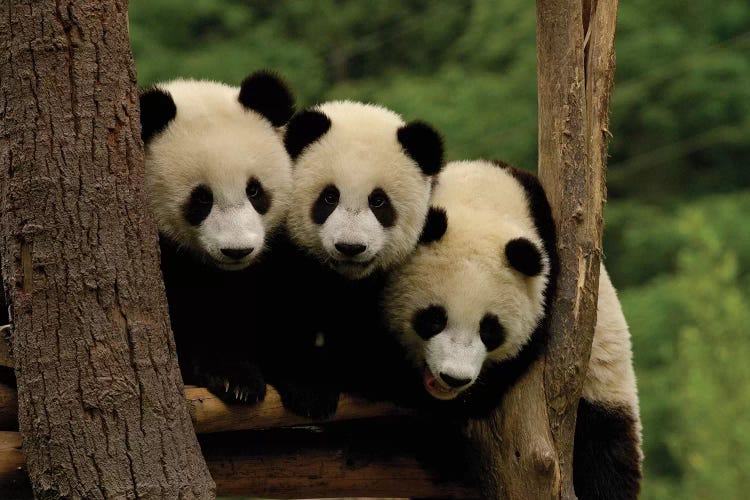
{"x": 470, "y": 308}
{"x": 219, "y": 179}
{"x": 362, "y": 184}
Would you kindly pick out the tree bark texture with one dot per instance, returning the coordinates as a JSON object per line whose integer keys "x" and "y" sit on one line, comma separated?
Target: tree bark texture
{"x": 101, "y": 406}
{"x": 532, "y": 434}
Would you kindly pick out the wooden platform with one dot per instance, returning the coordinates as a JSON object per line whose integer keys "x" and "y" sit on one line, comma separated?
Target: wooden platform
{"x": 367, "y": 449}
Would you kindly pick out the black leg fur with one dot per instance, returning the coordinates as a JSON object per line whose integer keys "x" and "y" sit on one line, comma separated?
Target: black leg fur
{"x": 606, "y": 456}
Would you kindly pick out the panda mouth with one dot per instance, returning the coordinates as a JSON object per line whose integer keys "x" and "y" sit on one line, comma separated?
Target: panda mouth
{"x": 436, "y": 389}
{"x": 353, "y": 263}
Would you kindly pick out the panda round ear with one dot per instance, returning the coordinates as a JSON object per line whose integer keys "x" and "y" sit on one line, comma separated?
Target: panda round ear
{"x": 435, "y": 226}
{"x": 524, "y": 256}
{"x": 424, "y": 144}
{"x": 157, "y": 110}
{"x": 266, "y": 93}
{"x": 305, "y": 128}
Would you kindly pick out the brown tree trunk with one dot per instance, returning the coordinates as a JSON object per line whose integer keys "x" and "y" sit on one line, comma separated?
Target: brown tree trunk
{"x": 531, "y": 436}
{"x": 101, "y": 405}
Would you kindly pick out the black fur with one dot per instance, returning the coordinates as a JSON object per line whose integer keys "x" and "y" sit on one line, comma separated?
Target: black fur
{"x": 259, "y": 197}
{"x": 430, "y": 321}
{"x": 157, "y": 110}
{"x": 219, "y": 319}
{"x": 435, "y": 225}
{"x": 343, "y": 313}
{"x": 424, "y": 144}
{"x": 198, "y": 205}
{"x": 491, "y": 332}
{"x": 381, "y": 207}
{"x": 606, "y": 458}
{"x": 304, "y": 129}
{"x": 265, "y": 93}
{"x": 325, "y": 204}
{"x": 524, "y": 256}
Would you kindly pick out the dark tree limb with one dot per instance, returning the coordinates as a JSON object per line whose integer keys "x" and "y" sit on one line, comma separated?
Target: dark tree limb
{"x": 532, "y": 434}
{"x": 101, "y": 406}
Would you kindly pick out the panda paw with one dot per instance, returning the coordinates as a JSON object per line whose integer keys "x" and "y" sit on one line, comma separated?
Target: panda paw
{"x": 242, "y": 384}
{"x": 314, "y": 402}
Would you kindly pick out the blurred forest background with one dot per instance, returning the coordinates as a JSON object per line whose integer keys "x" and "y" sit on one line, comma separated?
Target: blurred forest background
{"x": 677, "y": 236}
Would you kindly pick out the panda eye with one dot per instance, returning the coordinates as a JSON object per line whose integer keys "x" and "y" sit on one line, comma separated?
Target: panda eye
{"x": 253, "y": 189}
{"x": 202, "y": 195}
{"x": 331, "y": 195}
{"x": 491, "y": 332}
{"x": 378, "y": 199}
{"x": 429, "y": 322}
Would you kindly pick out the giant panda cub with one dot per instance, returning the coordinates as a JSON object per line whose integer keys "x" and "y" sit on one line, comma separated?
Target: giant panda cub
{"x": 362, "y": 184}
{"x": 470, "y": 308}
{"x": 219, "y": 178}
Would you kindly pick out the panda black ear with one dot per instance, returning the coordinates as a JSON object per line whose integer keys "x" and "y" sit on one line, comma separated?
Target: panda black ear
{"x": 435, "y": 226}
{"x": 424, "y": 144}
{"x": 157, "y": 110}
{"x": 524, "y": 256}
{"x": 266, "y": 93}
{"x": 305, "y": 128}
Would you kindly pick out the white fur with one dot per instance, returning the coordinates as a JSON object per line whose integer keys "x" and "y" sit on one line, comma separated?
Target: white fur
{"x": 215, "y": 141}
{"x": 360, "y": 152}
{"x": 610, "y": 379}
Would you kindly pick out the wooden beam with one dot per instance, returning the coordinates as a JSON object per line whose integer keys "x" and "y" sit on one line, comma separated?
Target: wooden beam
{"x": 363, "y": 459}
{"x": 211, "y": 414}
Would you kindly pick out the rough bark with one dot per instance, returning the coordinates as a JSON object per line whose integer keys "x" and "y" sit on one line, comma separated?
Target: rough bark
{"x": 101, "y": 406}
{"x": 533, "y": 432}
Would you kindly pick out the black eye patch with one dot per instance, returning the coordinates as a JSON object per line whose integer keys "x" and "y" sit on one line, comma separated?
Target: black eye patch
{"x": 382, "y": 208}
{"x": 327, "y": 201}
{"x": 198, "y": 205}
{"x": 258, "y": 196}
{"x": 429, "y": 322}
{"x": 491, "y": 332}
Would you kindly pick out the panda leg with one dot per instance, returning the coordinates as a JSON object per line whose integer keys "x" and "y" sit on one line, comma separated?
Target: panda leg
{"x": 232, "y": 380}
{"x": 606, "y": 454}
{"x": 314, "y": 399}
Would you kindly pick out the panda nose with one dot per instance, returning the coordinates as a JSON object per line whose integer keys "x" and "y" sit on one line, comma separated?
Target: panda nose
{"x": 350, "y": 249}
{"x": 237, "y": 253}
{"x": 454, "y": 382}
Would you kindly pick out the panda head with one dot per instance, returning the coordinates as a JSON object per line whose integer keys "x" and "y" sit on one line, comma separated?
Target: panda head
{"x": 362, "y": 184}
{"x": 217, "y": 173}
{"x": 473, "y": 293}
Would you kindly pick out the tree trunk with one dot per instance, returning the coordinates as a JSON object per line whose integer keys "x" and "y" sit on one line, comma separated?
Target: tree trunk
{"x": 100, "y": 398}
{"x": 531, "y": 436}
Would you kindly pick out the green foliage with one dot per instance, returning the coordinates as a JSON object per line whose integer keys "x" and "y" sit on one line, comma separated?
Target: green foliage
{"x": 677, "y": 241}
{"x": 690, "y": 342}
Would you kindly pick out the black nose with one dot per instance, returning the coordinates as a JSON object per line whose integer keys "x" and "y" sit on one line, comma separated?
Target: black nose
{"x": 454, "y": 382}
{"x": 237, "y": 253}
{"x": 350, "y": 249}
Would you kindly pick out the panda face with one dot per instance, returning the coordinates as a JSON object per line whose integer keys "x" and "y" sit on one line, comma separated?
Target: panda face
{"x": 456, "y": 315}
{"x": 472, "y": 294}
{"x": 360, "y": 197}
{"x": 217, "y": 173}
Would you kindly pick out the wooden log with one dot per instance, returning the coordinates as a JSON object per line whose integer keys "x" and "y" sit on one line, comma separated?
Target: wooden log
{"x": 211, "y": 414}
{"x": 8, "y": 406}
{"x": 346, "y": 461}
{"x": 14, "y": 481}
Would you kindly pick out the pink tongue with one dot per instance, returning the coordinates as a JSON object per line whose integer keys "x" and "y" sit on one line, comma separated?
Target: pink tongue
{"x": 430, "y": 380}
